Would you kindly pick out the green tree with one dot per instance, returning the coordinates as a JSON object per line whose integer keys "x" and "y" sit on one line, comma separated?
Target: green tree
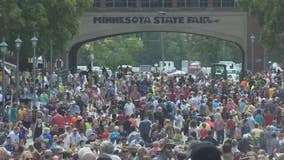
{"x": 145, "y": 48}
{"x": 56, "y": 20}
{"x": 208, "y": 50}
{"x": 112, "y": 51}
{"x": 270, "y": 16}
{"x": 151, "y": 52}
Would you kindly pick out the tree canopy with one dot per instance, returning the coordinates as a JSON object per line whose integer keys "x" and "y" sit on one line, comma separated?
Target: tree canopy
{"x": 270, "y": 16}
{"x": 55, "y": 21}
{"x": 112, "y": 52}
{"x": 145, "y": 48}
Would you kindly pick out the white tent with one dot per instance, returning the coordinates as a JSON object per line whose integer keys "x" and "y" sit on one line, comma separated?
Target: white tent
{"x": 9, "y": 67}
{"x": 178, "y": 72}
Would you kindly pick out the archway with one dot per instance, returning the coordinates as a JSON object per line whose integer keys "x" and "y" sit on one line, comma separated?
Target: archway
{"x": 229, "y": 26}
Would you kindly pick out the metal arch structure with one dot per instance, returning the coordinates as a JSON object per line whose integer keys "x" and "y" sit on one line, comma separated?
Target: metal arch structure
{"x": 227, "y": 25}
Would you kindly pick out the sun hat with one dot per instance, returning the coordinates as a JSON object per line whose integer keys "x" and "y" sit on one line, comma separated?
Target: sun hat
{"x": 166, "y": 142}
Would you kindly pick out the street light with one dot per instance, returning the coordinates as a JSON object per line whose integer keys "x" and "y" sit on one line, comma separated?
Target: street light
{"x": 18, "y": 43}
{"x": 163, "y": 51}
{"x": 34, "y": 44}
{"x": 156, "y": 70}
{"x": 252, "y": 38}
{"x": 3, "y": 47}
{"x": 269, "y": 65}
{"x": 162, "y": 13}
{"x": 92, "y": 61}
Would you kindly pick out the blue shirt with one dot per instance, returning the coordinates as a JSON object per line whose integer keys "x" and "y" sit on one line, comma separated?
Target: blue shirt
{"x": 73, "y": 109}
{"x": 251, "y": 122}
{"x": 215, "y": 104}
{"x": 47, "y": 139}
{"x": 13, "y": 113}
{"x": 114, "y": 136}
{"x": 259, "y": 119}
{"x": 242, "y": 106}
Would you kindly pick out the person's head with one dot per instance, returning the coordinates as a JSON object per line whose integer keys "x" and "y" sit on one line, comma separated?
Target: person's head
{"x": 193, "y": 134}
{"x": 16, "y": 129}
{"x": 203, "y": 125}
{"x": 3, "y": 152}
{"x": 20, "y": 123}
{"x": 75, "y": 130}
{"x": 218, "y": 116}
{"x": 90, "y": 119}
{"x": 193, "y": 124}
{"x": 104, "y": 157}
{"x": 2, "y": 125}
{"x": 205, "y": 151}
{"x": 132, "y": 116}
{"x": 106, "y": 147}
{"x": 227, "y": 148}
{"x": 88, "y": 156}
{"x": 167, "y": 146}
{"x": 159, "y": 109}
{"x": 9, "y": 140}
{"x": 141, "y": 152}
{"x": 36, "y": 155}
{"x": 234, "y": 143}
{"x": 86, "y": 153}
{"x": 26, "y": 155}
{"x": 274, "y": 135}
{"x": 55, "y": 157}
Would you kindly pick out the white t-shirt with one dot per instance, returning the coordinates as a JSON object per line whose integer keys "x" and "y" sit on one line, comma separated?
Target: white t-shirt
{"x": 129, "y": 108}
{"x": 1, "y": 97}
{"x": 14, "y": 137}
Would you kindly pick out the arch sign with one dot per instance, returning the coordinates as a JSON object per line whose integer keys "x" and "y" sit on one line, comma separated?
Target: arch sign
{"x": 227, "y": 25}
{"x": 153, "y": 20}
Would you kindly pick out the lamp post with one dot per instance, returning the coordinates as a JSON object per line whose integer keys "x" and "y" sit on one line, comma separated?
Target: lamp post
{"x": 51, "y": 57}
{"x": 156, "y": 67}
{"x": 34, "y": 44}
{"x": 3, "y": 47}
{"x": 252, "y": 38}
{"x": 92, "y": 61}
{"x": 18, "y": 43}
{"x": 162, "y": 13}
{"x": 156, "y": 70}
{"x": 163, "y": 51}
{"x": 42, "y": 71}
{"x": 269, "y": 66}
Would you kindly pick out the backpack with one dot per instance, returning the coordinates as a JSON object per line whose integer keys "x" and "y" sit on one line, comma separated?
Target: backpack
{"x": 169, "y": 107}
{"x": 202, "y": 109}
{"x": 3, "y": 136}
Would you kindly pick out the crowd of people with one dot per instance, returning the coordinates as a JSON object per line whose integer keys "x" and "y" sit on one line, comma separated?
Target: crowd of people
{"x": 142, "y": 116}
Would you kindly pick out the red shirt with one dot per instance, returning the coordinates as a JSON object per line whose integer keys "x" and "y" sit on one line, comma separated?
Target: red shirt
{"x": 171, "y": 96}
{"x": 68, "y": 119}
{"x": 210, "y": 123}
{"x": 203, "y": 133}
{"x": 133, "y": 122}
{"x": 59, "y": 120}
{"x": 105, "y": 135}
{"x": 121, "y": 118}
{"x": 231, "y": 123}
{"x": 185, "y": 91}
{"x": 268, "y": 118}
